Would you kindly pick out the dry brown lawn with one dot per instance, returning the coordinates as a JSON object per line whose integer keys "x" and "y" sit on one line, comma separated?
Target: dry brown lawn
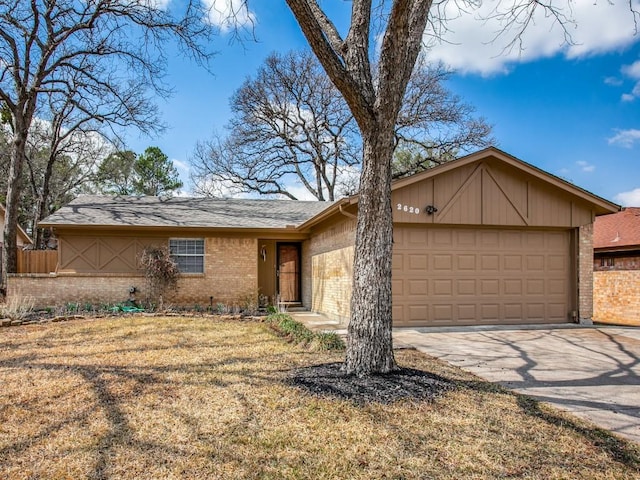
{"x": 162, "y": 398}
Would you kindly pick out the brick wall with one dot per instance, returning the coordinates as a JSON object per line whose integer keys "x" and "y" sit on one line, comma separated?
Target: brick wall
{"x": 328, "y": 269}
{"x": 585, "y": 273}
{"x": 231, "y": 275}
{"x": 50, "y": 290}
{"x": 616, "y": 297}
{"x": 332, "y": 283}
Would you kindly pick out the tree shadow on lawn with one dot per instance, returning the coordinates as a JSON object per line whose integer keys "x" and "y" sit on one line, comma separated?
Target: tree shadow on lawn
{"x": 329, "y": 380}
{"x": 623, "y": 451}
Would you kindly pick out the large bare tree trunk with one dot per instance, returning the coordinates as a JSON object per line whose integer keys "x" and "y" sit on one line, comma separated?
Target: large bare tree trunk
{"x": 9, "y": 252}
{"x": 375, "y": 106}
{"x": 369, "y": 343}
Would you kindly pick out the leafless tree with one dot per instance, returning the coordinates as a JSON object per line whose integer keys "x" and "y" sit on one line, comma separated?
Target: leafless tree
{"x": 288, "y": 123}
{"x": 61, "y": 156}
{"x": 374, "y": 92}
{"x": 291, "y": 124}
{"x": 105, "y": 54}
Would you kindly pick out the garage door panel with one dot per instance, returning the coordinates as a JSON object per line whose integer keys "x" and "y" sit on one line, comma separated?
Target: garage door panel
{"x": 418, "y": 287}
{"x": 513, "y": 286}
{"x": 466, "y": 262}
{"x": 466, "y": 286}
{"x": 512, "y": 263}
{"x": 397, "y": 288}
{"x": 473, "y": 276}
{"x": 442, "y": 238}
{"x": 556, "y": 312}
{"x": 534, "y": 286}
{"x": 417, "y": 313}
{"x": 467, "y": 312}
{"x": 417, "y": 261}
{"x": 536, "y": 311}
{"x": 512, "y": 240}
{"x": 442, "y": 288}
{"x": 443, "y": 261}
{"x": 490, "y": 312}
{"x": 443, "y": 312}
{"x": 513, "y": 311}
{"x": 489, "y": 238}
{"x": 489, "y": 287}
{"x": 535, "y": 263}
{"x": 465, "y": 238}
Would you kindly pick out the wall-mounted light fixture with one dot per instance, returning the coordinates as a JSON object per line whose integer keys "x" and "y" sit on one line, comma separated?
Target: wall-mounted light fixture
{"x": 430, "y": 209}
{"x": 263, "y": 253}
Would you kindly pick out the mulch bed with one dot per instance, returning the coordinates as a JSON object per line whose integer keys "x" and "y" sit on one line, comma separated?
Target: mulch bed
{"x": 328, "y": 380}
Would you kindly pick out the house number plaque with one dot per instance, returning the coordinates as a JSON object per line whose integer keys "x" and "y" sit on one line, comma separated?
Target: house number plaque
{"x": 408, "y": 208}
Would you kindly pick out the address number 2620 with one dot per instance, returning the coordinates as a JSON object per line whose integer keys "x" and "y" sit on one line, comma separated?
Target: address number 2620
{"x": 407, "y": 208}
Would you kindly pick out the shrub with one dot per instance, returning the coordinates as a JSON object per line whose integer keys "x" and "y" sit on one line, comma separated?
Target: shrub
{"x": 298, "y": 333}
{"x": 160, "y": 271}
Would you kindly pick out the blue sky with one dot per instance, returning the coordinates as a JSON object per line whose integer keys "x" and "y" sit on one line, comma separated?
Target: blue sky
{"x": 573, "y": 110}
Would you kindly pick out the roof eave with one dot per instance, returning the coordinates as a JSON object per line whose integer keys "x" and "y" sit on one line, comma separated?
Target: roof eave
{"x": 602, "y": 205}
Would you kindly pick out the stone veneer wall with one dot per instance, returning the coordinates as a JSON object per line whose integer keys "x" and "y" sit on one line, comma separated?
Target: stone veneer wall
{"x": 616, "y": 297}
{"x": 229, "y": 282}
{"x": 328, "y": 269}
{"x": 585, "y": 273}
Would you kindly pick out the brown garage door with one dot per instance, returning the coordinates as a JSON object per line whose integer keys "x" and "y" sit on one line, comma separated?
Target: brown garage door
{"x": 469, "y": 276}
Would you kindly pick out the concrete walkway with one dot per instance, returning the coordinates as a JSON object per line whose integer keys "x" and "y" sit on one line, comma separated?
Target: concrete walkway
{"x": 593, "y": 372}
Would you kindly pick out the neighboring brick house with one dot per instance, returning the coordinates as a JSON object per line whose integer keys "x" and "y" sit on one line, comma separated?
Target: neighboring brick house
{"x": 616, "y": 245}
{"x": 21, "y": 240}
{"x": 484, "y": 239}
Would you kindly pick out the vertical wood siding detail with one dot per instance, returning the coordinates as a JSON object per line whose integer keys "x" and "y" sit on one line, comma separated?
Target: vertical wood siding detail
{"x": 488, "y": 193}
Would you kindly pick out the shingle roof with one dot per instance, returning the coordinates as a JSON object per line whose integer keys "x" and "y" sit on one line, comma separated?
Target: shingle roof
{"x": 122, "y": 211}
{"x": 620, "y": 229}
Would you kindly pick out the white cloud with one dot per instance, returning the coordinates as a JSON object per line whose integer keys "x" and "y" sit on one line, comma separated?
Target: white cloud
{"x": 585, "y": 167}
{"x": 633, "y": 72}
{"x": 625, "y": 138}
{"x": 228, "y": 14}
{"x": 629, "y": 199}
{"x": 473, "y": 42}
{"x": 613, "y": 81}
{"x": 180, "y": 164}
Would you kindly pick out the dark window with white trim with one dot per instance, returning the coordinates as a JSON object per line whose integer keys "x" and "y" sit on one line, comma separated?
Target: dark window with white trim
{"x": 188, "y": 253}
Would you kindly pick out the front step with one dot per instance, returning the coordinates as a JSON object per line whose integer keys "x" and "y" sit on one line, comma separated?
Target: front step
{"x": 293, "y": 307}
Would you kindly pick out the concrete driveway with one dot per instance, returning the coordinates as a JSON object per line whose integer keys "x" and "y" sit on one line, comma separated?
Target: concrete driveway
{"x": 594, "y": 372}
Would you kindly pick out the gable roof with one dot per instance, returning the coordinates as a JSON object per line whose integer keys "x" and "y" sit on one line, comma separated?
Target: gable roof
{"x": 618, "y": 231}
{"x": 182, "y": 212}
{"x": 21, "y": 233}
{"x": 600, "y": 205}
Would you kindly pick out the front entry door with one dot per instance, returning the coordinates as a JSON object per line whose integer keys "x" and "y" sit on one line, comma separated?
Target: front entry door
{"x": 289, "y": 272}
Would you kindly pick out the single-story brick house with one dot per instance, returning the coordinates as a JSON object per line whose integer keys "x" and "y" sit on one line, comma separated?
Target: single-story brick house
{"x": 616, "y": 245}
{"x": 484, "y": 239}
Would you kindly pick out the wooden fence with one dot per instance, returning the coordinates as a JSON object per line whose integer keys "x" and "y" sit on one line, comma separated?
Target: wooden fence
{"x": 37, "y": 261}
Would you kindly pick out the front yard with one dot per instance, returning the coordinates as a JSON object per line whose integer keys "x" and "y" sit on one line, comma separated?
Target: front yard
{"x": 144, "y": 397}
